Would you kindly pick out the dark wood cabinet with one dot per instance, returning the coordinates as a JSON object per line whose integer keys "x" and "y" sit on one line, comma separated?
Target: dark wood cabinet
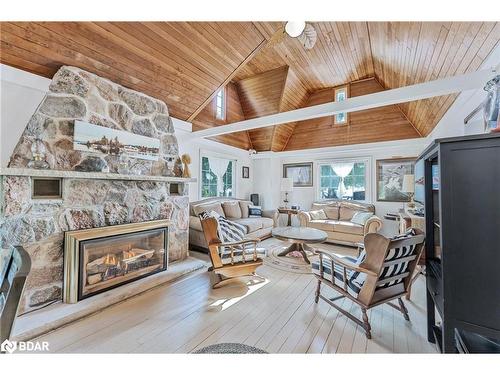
{"x": 462, "y": 250}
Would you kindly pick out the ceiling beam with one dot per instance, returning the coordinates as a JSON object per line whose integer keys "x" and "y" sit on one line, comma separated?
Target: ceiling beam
{"x": 405, "y": 94}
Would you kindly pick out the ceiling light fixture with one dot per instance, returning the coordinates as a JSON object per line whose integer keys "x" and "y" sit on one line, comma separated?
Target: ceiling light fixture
{"x": 294, "y": 29}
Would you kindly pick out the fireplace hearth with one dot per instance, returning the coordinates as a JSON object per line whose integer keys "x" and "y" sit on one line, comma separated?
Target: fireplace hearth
{"x": 99, "y": 259}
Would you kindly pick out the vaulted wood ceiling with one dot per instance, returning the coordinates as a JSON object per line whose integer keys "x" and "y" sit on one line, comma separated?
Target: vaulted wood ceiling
{"x": 186, "y": 63}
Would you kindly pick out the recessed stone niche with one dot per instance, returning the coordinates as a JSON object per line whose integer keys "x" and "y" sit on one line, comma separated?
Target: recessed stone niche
{"x": 39, "y": 224}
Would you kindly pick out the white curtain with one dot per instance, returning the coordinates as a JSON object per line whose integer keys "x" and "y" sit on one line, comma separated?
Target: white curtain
{"x": 342, "y": 170}
{"x": 219, "y": 167}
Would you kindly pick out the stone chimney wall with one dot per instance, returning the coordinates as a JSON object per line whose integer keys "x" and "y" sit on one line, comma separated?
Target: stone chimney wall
{"x": 75, "y": 94}
{"x": 39, "y": 225}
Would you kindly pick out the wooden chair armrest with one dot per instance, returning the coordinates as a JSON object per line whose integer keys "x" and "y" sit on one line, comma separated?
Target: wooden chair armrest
{"x": 236, "y": 243}
{"x": 345, "y": 263}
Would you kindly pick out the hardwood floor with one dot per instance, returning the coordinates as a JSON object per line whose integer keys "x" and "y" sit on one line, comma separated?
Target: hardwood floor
{"x": 278, "y": 315}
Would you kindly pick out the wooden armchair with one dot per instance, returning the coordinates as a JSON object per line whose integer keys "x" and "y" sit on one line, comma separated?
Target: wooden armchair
{"x": 238, "y": 262}
{"x": 15, "y": 264}
{"x": 380, "y": 274}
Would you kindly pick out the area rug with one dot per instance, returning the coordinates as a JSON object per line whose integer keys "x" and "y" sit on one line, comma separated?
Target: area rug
{"x": 230, "y": 348}
{"x": 293, "y": 262}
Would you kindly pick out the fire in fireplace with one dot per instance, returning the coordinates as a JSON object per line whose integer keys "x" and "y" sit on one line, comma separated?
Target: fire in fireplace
{"x": 99, "y": 259}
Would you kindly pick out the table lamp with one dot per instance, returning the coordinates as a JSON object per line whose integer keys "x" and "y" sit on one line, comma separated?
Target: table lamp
{"x": 409, "y": 188}
{"x": 286, "y": 187}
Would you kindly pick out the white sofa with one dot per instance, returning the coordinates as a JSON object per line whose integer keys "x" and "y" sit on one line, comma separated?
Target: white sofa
{"x": 233, "y": 209}
{"x": 337, "y": 221}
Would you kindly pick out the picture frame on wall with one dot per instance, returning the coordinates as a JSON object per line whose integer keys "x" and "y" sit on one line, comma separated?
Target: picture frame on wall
{"x": 301, "y": 173}
{"x": 101, "y": 140}
{"x": 390, "y": 174}
{"x": 245, "y": 172}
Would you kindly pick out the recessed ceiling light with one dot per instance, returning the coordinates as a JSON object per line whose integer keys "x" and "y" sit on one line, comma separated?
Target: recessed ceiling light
{"x": 294, "y": 28}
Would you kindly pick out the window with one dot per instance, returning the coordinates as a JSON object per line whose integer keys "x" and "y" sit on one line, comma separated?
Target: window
{"x": 340, "y": 96}
{"x": 217, "y": 177}
{"x": 344, "y": 180}
{"x": 220, "y": 105}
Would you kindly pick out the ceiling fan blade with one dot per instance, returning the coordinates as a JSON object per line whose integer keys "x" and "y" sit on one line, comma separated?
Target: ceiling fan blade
{"x": 308, "y": 37}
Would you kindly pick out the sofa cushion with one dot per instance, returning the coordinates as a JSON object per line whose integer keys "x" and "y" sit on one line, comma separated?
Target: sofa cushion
{"x": 250, "y": 223}
{"x": 346, "y": 213}
{"x": 348, "y": 227}
{"x": 244, "y": 208}
{"x": 232, "y": 210}
{"x": 361, "y": 217}
{"x": 267, "y": 222}
{"x": 331, "y": 209}
{"x": 195, "y": 223}
{"x": 318, "y": 215}
{"x": 326, "y": 225}
{"x": 255, "y": 223}
{"x": 215, "y": 206}
{"x": 254, "y": 211}
{"x": 332, "y": 212}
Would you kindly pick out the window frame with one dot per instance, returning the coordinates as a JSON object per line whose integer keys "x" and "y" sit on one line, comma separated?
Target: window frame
{"x": 368, "y": 176}
{"x": 337, "y": 90}
{"x": 222, "y": 117}
{"x": 210, "y": 154}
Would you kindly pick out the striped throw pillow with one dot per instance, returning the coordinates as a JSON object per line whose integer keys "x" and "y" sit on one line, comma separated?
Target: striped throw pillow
{"x": 227, "y": 230}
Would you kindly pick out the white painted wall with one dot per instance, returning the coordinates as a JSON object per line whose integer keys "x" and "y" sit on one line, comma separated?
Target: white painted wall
{"x": 269, "y": 170}
{"x": 21, "y": 93}
{"x": 198, "y": 147}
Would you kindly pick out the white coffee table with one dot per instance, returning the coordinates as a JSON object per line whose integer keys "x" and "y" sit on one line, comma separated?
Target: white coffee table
{"x": 299, "y": 237}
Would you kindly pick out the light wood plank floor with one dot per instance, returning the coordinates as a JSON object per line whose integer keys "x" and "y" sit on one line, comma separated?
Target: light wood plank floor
{"x": 278, "y": 315}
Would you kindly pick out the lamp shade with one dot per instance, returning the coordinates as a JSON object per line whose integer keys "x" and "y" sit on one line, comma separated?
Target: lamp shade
{"x": 286, "y": 184}
{"x": 408, "y": 183}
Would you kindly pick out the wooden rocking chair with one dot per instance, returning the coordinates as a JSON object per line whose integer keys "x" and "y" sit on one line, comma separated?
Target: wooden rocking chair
{"x": 237, "y": 264}
{"x": 380, "y": 276}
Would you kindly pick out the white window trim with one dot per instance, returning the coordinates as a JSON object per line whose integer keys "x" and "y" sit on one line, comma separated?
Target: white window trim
{"x": 344, "y": 89}
{"x": 368, "y": 176}
{"x": 223, "y": 109}
{"x": 213, "y": 154}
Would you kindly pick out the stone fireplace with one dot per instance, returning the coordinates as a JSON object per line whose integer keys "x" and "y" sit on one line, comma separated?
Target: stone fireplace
{"x": 99, "y": 259}
{"x": 90, "y": 199}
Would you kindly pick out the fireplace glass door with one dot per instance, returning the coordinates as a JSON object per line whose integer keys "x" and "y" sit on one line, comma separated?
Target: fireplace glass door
{"x": 111, "y": 261}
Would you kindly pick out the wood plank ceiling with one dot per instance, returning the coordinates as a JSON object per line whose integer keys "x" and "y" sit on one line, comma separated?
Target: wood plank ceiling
{"x": 186, "y": 63}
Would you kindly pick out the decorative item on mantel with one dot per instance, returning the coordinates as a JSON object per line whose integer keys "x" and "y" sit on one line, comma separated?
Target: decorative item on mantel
{"x": 186, "y": 160}
{"x": 38, "y": 152}
{"x": 169, "y": 162}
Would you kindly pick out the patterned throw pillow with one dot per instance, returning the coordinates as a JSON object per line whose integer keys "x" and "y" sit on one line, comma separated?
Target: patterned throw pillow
{"x": 318, "y": 215}
{"x": 227, "y": 230}
{"x": 254, "y": 211}
{"x": 361, "y": 217}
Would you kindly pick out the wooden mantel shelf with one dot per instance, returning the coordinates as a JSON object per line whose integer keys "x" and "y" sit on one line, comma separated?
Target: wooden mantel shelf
{"x": 88, "y": 175}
